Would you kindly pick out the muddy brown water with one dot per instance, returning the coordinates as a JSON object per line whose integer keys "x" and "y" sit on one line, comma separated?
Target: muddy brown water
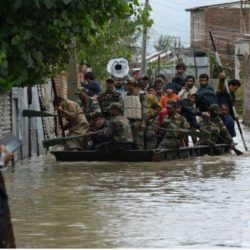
{"x": 201, "y": 202}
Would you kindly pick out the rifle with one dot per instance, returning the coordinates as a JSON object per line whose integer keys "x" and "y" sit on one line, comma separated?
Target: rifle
{"x": 59, "y": 115}
{"x": 228, "y": 92}
{"x": 61, "y": 140}
{"x": 36, "y": 113}
{"x": 199, "y": 134}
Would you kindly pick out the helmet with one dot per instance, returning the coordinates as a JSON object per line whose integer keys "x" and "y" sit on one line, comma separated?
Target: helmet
{"x": 115, "y": 105}
{"x": 214, "y": 108}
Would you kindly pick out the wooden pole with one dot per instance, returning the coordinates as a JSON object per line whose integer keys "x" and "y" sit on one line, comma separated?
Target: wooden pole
{"x": 29, "y": 95}
{"x": 195, "y": 65}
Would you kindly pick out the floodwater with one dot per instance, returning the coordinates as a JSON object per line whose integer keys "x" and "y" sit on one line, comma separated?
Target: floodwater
{"x": 197, "y": 203}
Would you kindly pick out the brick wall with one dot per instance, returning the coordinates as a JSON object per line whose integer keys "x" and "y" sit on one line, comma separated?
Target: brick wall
{"x": 61, "y": 85}
{"x": 225, "y": 25}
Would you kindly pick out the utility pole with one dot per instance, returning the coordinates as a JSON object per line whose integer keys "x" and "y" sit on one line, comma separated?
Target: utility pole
{"x": 175, "y": 44}
{"x": 144, "y": 44}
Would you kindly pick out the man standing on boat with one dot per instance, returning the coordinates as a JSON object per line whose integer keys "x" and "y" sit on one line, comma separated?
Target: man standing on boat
{"x": 154, "y": 109}
{"x": 118, "y": 135}
{"x": 205, "y": 94}
{"x": 136, "y": 110}
{"x": 222, "y": 95}
{"x": 120, "y": 86}
{"x": 172, "y": 127}
{"x": 180, "y": 77}
{"x": 189, "y": 87}
{"x": 77, "y": 122}
{"x": 108, "y": 97}
{"x": 92, "y": 86}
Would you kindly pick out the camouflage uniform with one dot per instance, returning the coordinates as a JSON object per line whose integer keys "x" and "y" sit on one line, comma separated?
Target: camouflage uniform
{"x": 106, "y": 98}
{"x": 135, "y": 124}
{"x": 118, "y": 134}
{"x": 154, "y": 108}
{"x": 77, "y": 123}
{"x": 173, "y": 140}
{"x": 90, "y": 108}
{"x": 215, "y": 125}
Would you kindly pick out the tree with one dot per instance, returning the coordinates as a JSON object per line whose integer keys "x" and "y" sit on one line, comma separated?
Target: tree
{"x": 165, "y": 42}
{"x": 116, "y": 39}
{"x": 35, "y": 34}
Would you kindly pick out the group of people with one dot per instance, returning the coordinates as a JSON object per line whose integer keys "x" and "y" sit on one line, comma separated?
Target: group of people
{"x": 139, "y": 114}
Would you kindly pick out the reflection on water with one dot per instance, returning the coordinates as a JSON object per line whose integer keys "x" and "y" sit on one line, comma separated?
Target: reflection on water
{"x": 192, "y": 203}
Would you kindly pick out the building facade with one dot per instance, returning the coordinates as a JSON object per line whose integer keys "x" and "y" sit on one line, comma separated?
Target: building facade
{"x": 225, "y": 22}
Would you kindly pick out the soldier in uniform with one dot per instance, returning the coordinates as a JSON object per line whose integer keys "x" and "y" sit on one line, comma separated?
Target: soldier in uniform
{"x": 176, "y": 122}
{"x": 89, "y": 105}
{"x": 135, "y": 109}
{"x": 108, "y": 97}
{"x": 154, "y": 109}
{"x": 118, "y": 135}
{"x": 77, "y": 122}
{"x": 213, "y": 123}
{"x": 100, "y": 123}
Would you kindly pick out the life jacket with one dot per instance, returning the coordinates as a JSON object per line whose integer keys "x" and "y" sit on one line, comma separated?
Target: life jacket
{"x": 132, "y": 107}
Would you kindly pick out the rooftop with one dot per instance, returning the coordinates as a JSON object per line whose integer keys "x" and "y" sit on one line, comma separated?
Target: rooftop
{"x": 236, "y": 4}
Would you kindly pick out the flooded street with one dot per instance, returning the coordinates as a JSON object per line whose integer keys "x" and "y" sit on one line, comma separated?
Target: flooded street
{"x": 202, "y": 202}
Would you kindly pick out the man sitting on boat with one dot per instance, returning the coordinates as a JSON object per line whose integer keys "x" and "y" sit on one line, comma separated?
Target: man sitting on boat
{"x": 118, "y": 135}
{"x": 172, "y": 127}
{"x": 100, "y": 124}
{"x": 77, "y": 122}
{"x": 213, "y": 123}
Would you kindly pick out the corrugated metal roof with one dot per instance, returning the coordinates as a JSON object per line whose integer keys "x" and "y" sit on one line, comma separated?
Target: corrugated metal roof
{"x": 221, "y": 5}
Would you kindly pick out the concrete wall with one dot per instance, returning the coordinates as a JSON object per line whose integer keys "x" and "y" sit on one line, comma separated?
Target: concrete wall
{"x": 5, "y": 114}
{"x": 246, "y": 81}
{"x": 22, "y": 127}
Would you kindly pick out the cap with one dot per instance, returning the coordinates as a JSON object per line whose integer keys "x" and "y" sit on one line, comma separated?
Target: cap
{"x": 110, "y": 80}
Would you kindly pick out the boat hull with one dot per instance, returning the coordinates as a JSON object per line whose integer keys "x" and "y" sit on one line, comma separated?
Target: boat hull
{"x": 141, "y": 155}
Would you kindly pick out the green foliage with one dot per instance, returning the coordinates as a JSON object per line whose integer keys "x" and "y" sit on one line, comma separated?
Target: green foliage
{"x": 117, "y": 38}
{"x": 35, "y": 35}
{"x": 165, "y": 42}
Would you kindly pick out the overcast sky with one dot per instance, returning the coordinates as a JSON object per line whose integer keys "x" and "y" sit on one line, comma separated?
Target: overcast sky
{"x": 170, "y": 18}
